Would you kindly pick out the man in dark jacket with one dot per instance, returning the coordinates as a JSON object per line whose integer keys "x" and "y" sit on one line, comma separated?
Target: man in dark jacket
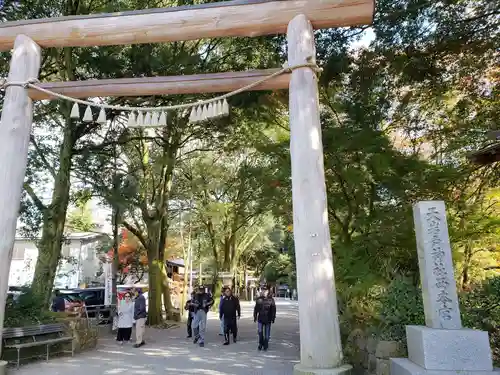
{"x": 140, "y": 315}
{"x": 202, "y": 303}
{"x": 264, "y": 313}
{"x": 230, "y": 307}
{"x": 189, "y": 307}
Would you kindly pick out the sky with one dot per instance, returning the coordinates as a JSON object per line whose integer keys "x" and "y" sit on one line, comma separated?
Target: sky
{"x": 366, "y": 39}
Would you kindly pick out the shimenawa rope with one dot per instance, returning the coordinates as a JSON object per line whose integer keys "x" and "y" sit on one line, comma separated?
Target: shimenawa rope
{"x": 201, "y": 110}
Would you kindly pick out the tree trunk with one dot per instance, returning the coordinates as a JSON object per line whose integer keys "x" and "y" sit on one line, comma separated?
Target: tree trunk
{"x": 167, "y": 300}
{"x": 217, "y": 283}
{"x": 245, "y": 287}
{"x": 467, "y": 263}
{"x": 187, "y": 263}
{"x": 116, "y": 255}
{"x": 226, "y": 265}
{"x": 155, "y": 315}
{"x": 54, "y": 218}
{"x": 49, "y": 247}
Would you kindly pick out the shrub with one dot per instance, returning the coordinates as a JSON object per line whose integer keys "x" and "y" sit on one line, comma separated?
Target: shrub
{"x": 400, "y": 305}
{"x": 481, "y": 310}
{"x": 26, "y": 310}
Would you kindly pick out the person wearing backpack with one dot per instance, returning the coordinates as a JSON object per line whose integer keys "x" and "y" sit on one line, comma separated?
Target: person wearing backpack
{"x": 264, "y": 314}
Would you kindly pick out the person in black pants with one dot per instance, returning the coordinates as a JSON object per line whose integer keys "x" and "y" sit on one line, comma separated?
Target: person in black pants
{"x": 189, "y": 307}
{"x": 230, "y": 310}
{"x": 264, "y": 313}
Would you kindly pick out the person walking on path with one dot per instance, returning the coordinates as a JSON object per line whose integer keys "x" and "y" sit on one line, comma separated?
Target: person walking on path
{"x": 264, "y": 313}
{"x": 202, "y": 303}
{"x": 189, "y": 306}
{"x": 229, "y": 308}
{"x": 140, "y": 315}
{"x": 221, "y": 333}
{"x": 125, "y": 319}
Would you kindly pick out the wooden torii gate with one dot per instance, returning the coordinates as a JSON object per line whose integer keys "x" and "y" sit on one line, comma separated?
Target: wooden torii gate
{"x": 320, "y": 346}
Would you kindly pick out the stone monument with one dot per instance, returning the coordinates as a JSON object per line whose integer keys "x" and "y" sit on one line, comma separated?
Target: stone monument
{"x": 442, "y": 345}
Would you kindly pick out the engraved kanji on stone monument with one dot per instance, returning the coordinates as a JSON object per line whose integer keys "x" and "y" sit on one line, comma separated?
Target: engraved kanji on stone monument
{"x": 436, "y": 266}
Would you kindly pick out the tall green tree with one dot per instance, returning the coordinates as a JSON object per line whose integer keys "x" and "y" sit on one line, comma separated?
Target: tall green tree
{"x": 149, "y": 160}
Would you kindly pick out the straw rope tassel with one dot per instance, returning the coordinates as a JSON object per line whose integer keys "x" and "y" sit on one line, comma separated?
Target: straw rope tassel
{"x": 211, "y": 110}
{"x": 87, "y": 117}
{"x": 163, "y": 119}
{"x": 75, "y": 111}
{"x": 192, "y": 115}
{"x": 131, "y": 120}
{"x": 204, "y": 113}
{"x": 219, "y": 108}
{"x": 225, "y": 108}
{"x": 101, "y": 119}
{"x": 147, "y": 119}
{"x": 140, "y": 119}
{"x": 154, "y": 119}
{"x": 199, "y": 113}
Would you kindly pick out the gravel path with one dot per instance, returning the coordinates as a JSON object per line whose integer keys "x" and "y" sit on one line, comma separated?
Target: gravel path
{"x": 169, "y": 352}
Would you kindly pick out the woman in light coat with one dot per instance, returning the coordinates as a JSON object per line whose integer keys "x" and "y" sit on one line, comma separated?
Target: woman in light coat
{"x": 125, "y": 318}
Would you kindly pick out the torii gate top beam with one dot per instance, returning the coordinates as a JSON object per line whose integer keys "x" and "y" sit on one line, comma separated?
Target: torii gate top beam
{"x": 235, "y": 18}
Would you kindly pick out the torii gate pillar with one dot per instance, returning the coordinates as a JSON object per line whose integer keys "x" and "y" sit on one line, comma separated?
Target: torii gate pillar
{"x": 15, "y": 130}
{"x": 320, "y": 346}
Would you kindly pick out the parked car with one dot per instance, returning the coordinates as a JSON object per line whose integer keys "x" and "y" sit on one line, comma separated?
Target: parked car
{"x": 12, "y": 296}
{"x": 92, "y": 299}
{"x": 72, "y": 301}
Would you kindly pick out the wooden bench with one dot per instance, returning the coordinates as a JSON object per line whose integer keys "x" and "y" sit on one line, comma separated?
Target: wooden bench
{"x": 32, "y": 336}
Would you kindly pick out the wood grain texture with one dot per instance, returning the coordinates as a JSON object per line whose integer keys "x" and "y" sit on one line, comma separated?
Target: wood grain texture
{"x": 15, "y": 129}
{"x": 320, "y": 345}
{"x": 226, "y": 19}
{"x": 172, "y": 85}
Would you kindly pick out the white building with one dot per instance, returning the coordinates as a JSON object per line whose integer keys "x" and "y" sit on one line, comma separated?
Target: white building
{"x": 79, "y": 263}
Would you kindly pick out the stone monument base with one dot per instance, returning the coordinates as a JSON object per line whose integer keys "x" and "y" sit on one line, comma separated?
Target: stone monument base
{"x": 403, "y": 366}
{"x": 3, "y": 368}
{"x": 449, "y": 349}
{"x": 341, "y": 370}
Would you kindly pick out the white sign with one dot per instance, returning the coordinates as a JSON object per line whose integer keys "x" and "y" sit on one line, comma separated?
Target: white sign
{"x": 108, "y": 283}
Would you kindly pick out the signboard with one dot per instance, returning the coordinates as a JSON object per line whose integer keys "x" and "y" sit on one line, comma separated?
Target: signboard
{"x": 108, "y": 283}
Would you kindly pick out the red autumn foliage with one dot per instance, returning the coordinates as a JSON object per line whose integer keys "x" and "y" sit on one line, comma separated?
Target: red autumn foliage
{"x": 132, "y": 256}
